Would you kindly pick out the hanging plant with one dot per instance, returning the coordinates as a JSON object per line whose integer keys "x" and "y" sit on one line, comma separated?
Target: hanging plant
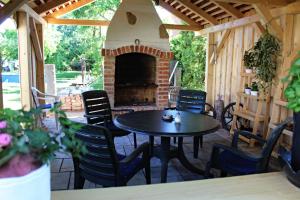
{"x": 264, "y": 58}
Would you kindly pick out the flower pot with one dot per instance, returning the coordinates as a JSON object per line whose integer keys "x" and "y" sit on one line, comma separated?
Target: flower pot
{"x": 248, "y": 91}
{"x": 254, "y": 93}
{"x": 33, "y": 186}
{"x": 248, "y": 71}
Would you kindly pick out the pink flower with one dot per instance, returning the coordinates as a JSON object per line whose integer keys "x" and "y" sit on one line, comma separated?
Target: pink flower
{"x": 5, "y": 139}
{"x": 3, "y": 124}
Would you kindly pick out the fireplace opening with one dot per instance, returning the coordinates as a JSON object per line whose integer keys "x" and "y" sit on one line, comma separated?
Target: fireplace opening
{"x": 135, "y": 76}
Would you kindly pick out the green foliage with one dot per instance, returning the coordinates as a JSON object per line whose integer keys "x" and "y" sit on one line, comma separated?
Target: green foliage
{"x": 292, "y": 92}
{"x": 66, "y": 46}
{"x": 8, "y": 46}
{"x": 190, "y": 51}
{"x": 28, "y": 138}
{"x": 254, "y": 86}
{"x": 264, "y": 59}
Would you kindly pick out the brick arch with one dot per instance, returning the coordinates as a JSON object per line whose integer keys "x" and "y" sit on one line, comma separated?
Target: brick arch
{"x": 138, "y": 49}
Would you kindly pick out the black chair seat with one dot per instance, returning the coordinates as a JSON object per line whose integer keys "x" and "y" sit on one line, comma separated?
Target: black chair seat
{"x": 237, "y": 165}
{"x": 129, "y": 169}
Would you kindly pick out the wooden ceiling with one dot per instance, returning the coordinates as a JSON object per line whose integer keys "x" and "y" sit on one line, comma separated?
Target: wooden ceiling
{"x": 194, "y": 12}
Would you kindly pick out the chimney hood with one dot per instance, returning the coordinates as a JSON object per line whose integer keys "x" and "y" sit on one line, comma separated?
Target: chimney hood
{"x": 136, "y": 22}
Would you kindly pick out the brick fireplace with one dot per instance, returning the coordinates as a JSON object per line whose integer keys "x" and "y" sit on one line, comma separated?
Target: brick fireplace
{"x": 142, "y": 88}
{"x": 136, "y": 57}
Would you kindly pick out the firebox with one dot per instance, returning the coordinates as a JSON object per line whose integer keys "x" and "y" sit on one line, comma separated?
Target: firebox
{"x": 135, "y": 75}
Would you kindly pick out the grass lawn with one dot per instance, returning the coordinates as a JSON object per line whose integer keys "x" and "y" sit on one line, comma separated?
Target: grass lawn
{"x": 68, "y": 74}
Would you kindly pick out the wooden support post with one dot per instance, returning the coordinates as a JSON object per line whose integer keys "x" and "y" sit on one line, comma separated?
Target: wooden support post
{"x": 209, "y": 70}
{"x": 40, "y": 64}
{"x": 25, "y": 59}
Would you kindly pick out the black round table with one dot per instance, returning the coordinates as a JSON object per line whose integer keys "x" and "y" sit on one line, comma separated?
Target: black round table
{"x": 151, "y": 123}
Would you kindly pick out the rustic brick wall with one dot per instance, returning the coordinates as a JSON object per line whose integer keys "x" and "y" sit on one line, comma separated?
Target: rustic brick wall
{"x": 162, "y": 70}
{"x": 72, "y": 102}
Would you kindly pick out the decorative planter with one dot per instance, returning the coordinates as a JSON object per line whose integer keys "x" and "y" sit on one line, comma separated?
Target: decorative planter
{"x": 254, "y": 93}
{"x": 248, "y": 91}
{"x": 248, "y": 71}
{"x": 33, "y": 186}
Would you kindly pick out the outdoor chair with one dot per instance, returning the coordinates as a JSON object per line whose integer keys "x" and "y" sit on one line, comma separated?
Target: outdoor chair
{"x": 102, "y": 165}
{"x": 50, "y": 101}
{"x": 194, "y": 101}
{"x": 231, "y": 160}
{"x": 98, "y": 112}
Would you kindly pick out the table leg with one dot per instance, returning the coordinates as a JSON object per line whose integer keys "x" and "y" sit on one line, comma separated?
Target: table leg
{"x": 184, "y": 161}
{"x": 164, "y": 157}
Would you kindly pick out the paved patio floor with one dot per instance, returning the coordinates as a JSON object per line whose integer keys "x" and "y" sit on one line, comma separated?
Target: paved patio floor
{"x": 62, "y": 174}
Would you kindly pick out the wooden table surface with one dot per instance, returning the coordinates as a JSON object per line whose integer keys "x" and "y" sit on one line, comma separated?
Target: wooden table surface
{"x": 269, "y": 186}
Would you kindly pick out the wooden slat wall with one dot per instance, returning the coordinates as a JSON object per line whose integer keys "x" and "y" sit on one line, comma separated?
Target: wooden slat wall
{"x": 227, "y": 69}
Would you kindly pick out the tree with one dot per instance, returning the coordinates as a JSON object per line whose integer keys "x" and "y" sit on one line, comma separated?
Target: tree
{"x": 190, "y": 51}
{"x": 8, "y": 46}
{"x": 75, "y": 43}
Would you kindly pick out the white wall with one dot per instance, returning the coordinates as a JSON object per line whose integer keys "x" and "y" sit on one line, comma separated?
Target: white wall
{"x": 121, "y": 33}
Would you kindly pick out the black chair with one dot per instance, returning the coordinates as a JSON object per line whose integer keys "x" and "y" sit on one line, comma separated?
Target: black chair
{"x": 102, "y": 164}
{"x": 98, "y": 112}
{"x": 230, "y": 160}
{"x": 194, "y": 101}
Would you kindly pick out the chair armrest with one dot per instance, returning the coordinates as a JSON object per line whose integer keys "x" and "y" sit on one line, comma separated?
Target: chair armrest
{"x": 170, "y": 108}
{"x": 144, "y": 149}
{"x": 123, "y": 110}
{"x": 246, "y": 134}
{"x": 217, "y": 148}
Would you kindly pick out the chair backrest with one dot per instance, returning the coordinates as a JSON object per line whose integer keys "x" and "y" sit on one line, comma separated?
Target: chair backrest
{"x": 96, "y": 102}
{"x": 191, "y": 101}
{"x": 270, "y": 144}
{"x": 100, "y": 165}
{"x": 35, "y": 94}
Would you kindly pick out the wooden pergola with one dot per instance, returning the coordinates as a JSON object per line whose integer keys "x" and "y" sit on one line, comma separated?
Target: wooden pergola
{"x": 231, "y": 27}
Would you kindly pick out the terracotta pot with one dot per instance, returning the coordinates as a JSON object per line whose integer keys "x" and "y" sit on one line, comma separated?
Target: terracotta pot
{"x": 248, "y": 71}
{"x": 33, "y": 186}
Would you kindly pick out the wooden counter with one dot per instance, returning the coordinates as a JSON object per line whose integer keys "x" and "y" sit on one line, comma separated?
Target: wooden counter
{"x": 270, "y": 186}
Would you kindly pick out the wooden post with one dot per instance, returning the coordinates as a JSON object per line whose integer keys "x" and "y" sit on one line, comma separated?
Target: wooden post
{"x": 25, "y": 59}
{"x": 40, "y": 64}
{"x": 209, "y": 70}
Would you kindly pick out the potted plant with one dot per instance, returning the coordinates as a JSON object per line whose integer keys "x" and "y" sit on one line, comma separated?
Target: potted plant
{"x": 292, "y": 94}
{"x": 26, "y": 150}
{"x": 249, "y": 61}
{"x": 254, "y": 89}
{"x": 247, "y": 89}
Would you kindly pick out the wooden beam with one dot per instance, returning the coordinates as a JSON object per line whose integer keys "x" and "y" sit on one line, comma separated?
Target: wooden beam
{"x": 267, "y": 2}
{"x": 199, "y": 11}
{"x": 10, "y": 8}
{"x": 209, "y": 70}
{"x": 229, "y": 9}
{"x": 25, "y": 59}
{"x": 35, "y": 39}
{"x": 80, "y": 22}
{"x": 85, "y": 22}
{"x": 263, "y": 11}
{"x": 33, "y": 14}
{"x": 229, "y": 25}
{"x": 50, "y": 5}
{"x": 291, "y": 9}
{"x": 178, "y": 14}
{"x": 70, "y": 8}
{"x": 182, "y": 27}
{"x": 40, "y": 64}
